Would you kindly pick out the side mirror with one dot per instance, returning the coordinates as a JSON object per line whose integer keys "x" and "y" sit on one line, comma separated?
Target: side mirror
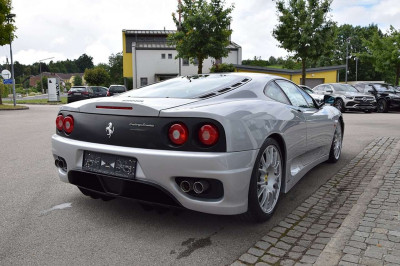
{"x": 371, "y": 91}
{"x": 329, "y": 99}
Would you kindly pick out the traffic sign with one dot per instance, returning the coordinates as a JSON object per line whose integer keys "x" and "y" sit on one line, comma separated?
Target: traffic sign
{"x": 7, "y": 81}
{"x": 6, "y": 74}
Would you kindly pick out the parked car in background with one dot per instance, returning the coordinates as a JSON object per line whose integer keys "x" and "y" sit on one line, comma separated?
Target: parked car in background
{"x": 217, "y": 143}
{"x": 318, "y": 98}
{"x": 116, "y": 89}
{"x": 99, "y": 91}
{"x": 77, "y": 93}
{"x": 347, "y": 97}
{"x": 386, "y": 96}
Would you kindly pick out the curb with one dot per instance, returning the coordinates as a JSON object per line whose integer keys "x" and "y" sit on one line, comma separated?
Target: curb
{"x": 23, "y": 107}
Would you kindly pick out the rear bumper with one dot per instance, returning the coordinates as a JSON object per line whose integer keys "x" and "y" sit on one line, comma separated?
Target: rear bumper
{"x": 159, "y": 168}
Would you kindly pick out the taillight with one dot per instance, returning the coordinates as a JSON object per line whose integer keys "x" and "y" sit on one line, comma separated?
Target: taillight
{"x": 178, "y": 133}
{"x": 85, "y": 92}
{"x": 68, "y": 124}
{"x": 208, "y": 134}
{"x": 108, "y": 93}
{"x": 70, "y": 92}
{"x": 60, "y": 122}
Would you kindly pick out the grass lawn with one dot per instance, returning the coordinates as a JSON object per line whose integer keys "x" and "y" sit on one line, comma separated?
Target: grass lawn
{"x": 38, "y": 101}
{"x": 10, "y": 106}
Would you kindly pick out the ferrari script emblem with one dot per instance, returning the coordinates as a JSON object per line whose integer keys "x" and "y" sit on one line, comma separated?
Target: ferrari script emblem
{"x": 110, "y": 130}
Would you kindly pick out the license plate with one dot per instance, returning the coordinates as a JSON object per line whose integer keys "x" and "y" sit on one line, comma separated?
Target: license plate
{"x": 77, "y": 93}
{"x": 109, "y": 164}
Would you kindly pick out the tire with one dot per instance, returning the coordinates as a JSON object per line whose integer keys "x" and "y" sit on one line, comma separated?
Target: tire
{"x": 95, "y": 195}
{"x": 336, "y": 147}
{"x": 382, "y": 106}
{"x": 265, "y": 183}
{"x": 367, "y": 111}
{"x": 339, "y": 104}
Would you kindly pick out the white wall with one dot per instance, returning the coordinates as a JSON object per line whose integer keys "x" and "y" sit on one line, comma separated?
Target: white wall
{"x": 149, "y": 63}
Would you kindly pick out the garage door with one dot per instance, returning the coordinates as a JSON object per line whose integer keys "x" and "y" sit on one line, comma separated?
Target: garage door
{"x": 310, "y": 82}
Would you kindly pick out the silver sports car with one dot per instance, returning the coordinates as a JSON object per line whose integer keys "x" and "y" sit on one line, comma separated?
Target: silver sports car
{"x": 218, "y": 143}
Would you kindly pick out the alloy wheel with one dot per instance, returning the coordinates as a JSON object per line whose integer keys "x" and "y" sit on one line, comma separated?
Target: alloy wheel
{"x": 269, "y": 179}
{"x": 337, "y": 142}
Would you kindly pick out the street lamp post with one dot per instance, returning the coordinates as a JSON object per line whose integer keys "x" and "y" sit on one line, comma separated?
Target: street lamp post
{"x": 9, "y": 17}
{"x": 356, "y": 58}
{"x": 40, "y": 71}
{"x": 347, "y": 57}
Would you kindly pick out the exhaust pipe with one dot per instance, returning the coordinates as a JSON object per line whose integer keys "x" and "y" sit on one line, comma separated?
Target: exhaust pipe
{"x": 186, "y": 186}
{"x": 61, "y": 164}
{"x": 200, "y": 186}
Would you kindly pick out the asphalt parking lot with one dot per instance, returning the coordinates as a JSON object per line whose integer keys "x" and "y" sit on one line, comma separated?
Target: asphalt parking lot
{"x": 46, "y": 222}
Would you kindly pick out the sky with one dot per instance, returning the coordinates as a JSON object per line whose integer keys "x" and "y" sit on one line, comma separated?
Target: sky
{"x": 67, "y": 29}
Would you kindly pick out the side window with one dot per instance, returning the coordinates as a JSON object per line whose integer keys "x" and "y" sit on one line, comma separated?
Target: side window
{"x": 308, "y": 98}
{"x": 143, "y": 81}
{"x": 274, "y": 92}
{"x": 328, "y": 88}
{"x": 294, "y": 95}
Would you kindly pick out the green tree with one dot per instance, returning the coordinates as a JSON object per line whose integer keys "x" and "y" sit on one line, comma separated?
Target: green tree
{"x": 84, "y": 62}
{"x": 204, "y": 31}
{"x": 257, "y": 61}
{"x": 97, "y": 76}
{"x": 115, "y": 68}
{"x": 305, "y": 30}
{"x": 222, "y": 68}
{"x": 39, "y": 85}
{"x": 78, "y": 80}
{"x": 7, "y": 28}
{"x": 355, "y": 37}
{"x": 385, "y": 53}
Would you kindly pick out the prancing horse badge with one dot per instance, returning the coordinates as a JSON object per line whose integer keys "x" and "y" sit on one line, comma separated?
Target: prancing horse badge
{"x": 110, "y": 130}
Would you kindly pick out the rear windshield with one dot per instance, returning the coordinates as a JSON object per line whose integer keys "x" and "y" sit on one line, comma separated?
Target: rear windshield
{"x": 78, "y": 89}
{"x": 117, "y": 89}
{"x": 344, "y": 87}
{"x": 186, "y": 87}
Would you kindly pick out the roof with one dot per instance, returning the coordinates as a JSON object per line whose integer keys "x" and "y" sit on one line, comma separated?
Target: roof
{"x": 165, "y": 45}
{"x": 155, "y": 39}
{"x": 149, "y": 32}
{"x": 288, "y": 71}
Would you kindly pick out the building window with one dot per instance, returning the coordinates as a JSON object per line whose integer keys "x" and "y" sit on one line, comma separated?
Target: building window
{"x": 185, "y": 61}
{"x": 162, "y": 56}
{"x": 143, "y": 82}
{"x": 195, "y": 61}
{"x": 169, "y": 56}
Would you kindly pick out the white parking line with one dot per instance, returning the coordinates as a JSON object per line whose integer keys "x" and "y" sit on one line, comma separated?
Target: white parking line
{"x": 57, "y": 207}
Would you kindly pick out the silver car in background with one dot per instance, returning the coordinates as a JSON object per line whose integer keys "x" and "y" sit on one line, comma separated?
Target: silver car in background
{"x": 347, "y": 97}
{"x": 317, "y": 97}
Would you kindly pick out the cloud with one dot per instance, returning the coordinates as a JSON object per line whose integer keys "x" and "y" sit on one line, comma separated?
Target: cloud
{"x": 67, "y": 29}
{"x": 31, "y": 56}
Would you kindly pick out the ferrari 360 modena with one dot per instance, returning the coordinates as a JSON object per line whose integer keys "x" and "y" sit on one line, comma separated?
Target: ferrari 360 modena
{"x": 217, "y": 143}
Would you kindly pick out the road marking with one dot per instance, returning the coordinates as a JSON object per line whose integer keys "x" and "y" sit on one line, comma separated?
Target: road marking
{"x": 57, "y": 207}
